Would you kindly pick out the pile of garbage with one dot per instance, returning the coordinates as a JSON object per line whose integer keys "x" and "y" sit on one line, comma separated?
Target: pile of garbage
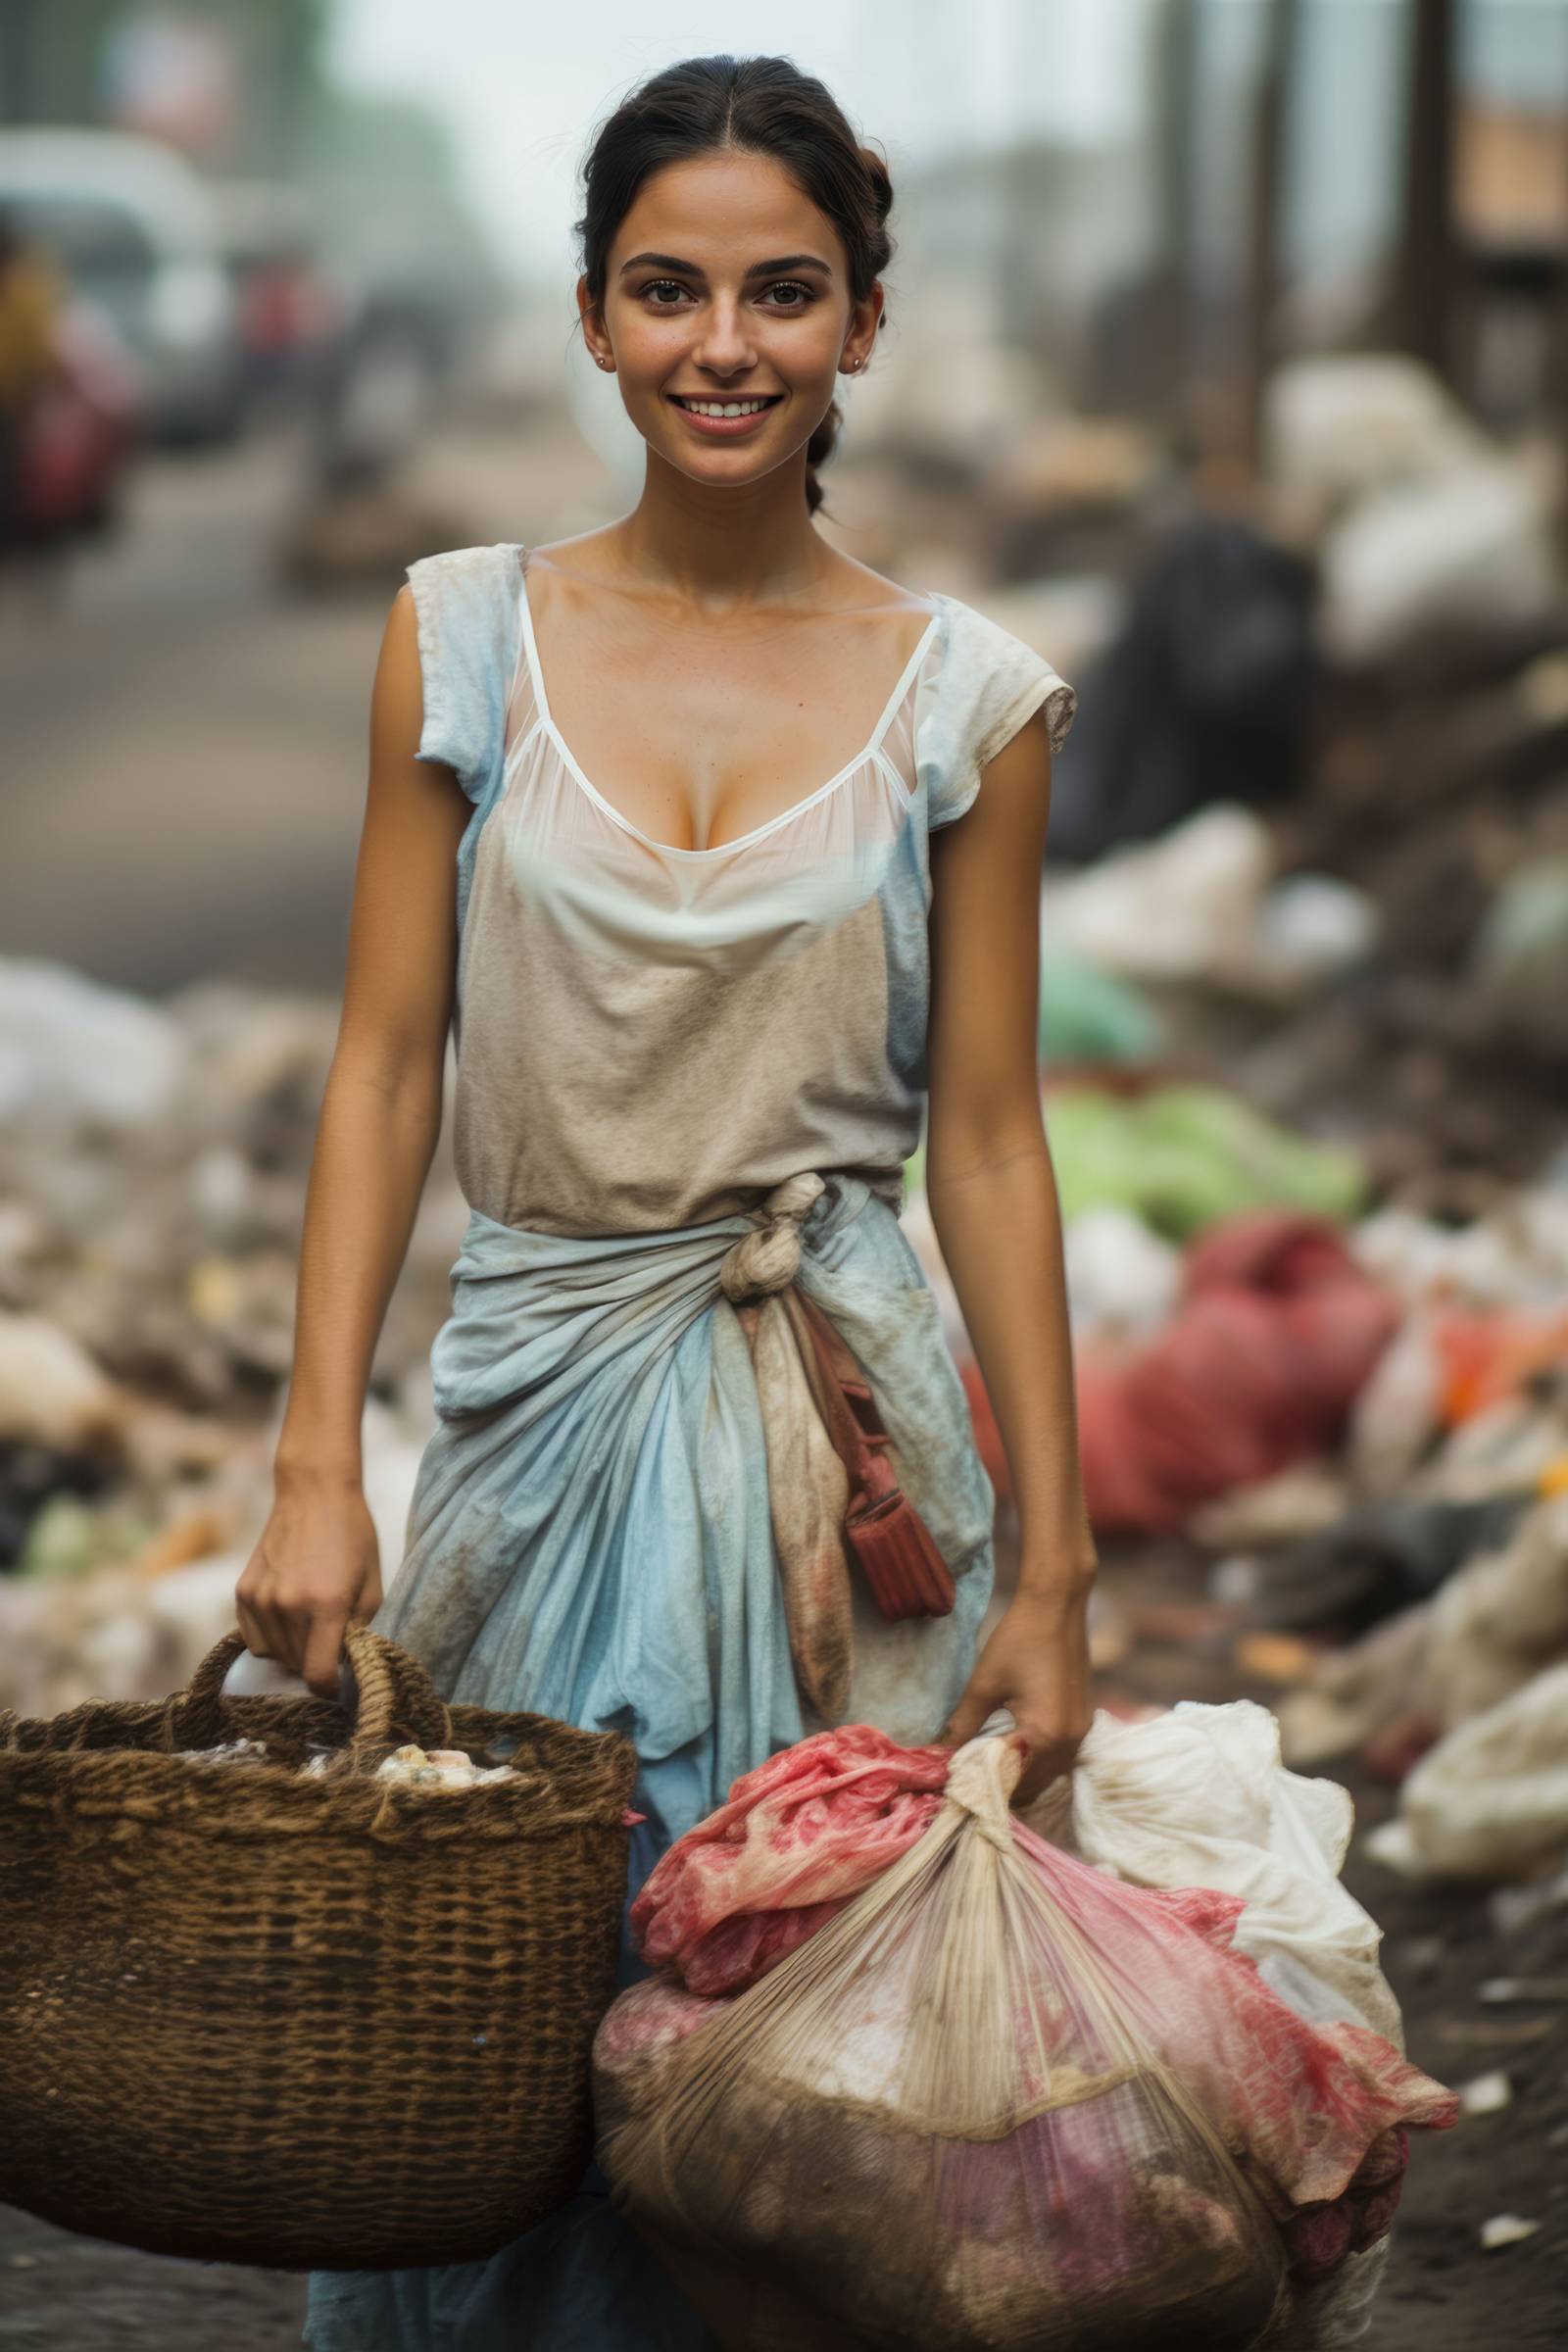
{"x": 1304, "y": 1074}
{"x": 153, "y": 1162}
{"x": 1363, "y": 1422}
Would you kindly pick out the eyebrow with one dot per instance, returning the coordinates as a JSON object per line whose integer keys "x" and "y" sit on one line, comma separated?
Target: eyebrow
{"x": 784, "y": 260}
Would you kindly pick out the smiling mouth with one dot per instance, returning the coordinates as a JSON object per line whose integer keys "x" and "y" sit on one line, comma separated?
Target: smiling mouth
{"x": 751, "y": 405}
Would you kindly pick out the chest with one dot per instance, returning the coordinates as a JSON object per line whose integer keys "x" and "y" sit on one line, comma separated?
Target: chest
{"x": 700, "y": 733}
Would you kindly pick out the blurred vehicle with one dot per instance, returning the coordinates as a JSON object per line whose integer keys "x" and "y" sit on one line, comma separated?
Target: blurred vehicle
{"x": 85, "y": 426}
{"x": 380, "y": 378}
{"x": 290, "y": 306}
{"x": 135, "y": 229}
{"x": 364, "y": 352}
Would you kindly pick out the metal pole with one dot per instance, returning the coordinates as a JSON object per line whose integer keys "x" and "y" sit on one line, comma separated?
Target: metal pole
{"x": 1425, "y": 270}
{"x": 1265, "y": 212}
{"x": 1174, "y": 84}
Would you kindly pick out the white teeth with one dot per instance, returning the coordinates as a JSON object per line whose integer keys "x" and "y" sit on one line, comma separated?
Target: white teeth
{"x": 724, "y": 408}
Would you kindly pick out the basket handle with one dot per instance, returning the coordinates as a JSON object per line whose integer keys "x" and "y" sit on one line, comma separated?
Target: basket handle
{"x": 393, "y": 1689}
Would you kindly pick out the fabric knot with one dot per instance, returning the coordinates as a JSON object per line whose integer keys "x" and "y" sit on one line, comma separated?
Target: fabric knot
{"x": 983, "y": 1775}
{"x": 768, "y": 1258}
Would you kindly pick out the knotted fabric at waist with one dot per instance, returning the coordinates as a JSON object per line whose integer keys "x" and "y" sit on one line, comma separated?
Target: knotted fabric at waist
{"x": 768, "y": 1258}
{"x": 813, "y": 1280}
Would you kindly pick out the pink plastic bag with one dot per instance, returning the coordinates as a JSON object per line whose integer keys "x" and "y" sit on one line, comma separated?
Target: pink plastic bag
{"x": 998, "y": 2098}
{"x": 797, "y": 1838}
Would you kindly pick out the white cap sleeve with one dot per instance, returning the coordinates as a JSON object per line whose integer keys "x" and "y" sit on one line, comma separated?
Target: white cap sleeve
{"x": 467, "y": 605}
{"x": 984, "y": 684}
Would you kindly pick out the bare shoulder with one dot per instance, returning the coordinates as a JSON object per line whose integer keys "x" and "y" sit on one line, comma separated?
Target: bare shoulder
{"x": 855, "y": 588}
{"x": 585, "y": 555}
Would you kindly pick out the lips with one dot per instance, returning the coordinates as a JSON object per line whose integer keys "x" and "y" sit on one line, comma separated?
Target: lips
{"x": 725, "y": 428}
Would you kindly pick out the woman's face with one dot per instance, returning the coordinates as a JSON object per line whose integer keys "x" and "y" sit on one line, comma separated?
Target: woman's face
{"x": 725, "y": 288}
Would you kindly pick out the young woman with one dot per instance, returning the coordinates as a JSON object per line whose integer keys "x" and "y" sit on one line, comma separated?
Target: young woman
{"x": 747, "y": 844}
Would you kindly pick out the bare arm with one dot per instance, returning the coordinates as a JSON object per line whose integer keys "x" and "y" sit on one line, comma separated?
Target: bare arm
{"x": 993, "y": 1197}
{"x": 314, "y": 1568}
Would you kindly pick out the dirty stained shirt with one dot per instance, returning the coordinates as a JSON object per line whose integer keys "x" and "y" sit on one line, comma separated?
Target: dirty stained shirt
{"x": 645, "y": 1037}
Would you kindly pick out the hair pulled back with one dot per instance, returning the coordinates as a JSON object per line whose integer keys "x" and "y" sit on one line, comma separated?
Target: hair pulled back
{"x": 754, "y": 105}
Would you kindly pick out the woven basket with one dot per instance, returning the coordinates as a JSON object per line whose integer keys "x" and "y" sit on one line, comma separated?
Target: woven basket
{"x": 253, "y": 2016}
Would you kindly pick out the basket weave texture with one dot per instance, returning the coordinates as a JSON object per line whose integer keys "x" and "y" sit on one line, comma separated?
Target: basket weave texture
{"x": 313, "y": 2022}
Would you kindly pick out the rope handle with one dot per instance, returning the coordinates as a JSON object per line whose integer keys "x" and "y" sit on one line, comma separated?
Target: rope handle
{"x": 393, "y": 1694}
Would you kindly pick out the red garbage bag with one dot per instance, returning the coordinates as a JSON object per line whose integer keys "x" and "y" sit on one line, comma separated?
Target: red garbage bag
{"x": 1277, "y": 1331}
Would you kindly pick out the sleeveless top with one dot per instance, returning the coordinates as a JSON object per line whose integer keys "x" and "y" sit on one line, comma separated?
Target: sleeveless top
{"x": 648, "y": 1038}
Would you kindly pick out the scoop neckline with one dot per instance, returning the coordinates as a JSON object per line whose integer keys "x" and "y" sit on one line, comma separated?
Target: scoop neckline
{"x": 723, "y": 849}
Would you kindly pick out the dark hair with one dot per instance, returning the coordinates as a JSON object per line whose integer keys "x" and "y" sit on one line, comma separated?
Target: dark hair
{"x": 757, "y": 106}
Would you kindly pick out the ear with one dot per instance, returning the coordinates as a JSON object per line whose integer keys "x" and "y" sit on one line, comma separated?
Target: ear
{"x": 593, "y": 327}
{"x": 865, "y": 318}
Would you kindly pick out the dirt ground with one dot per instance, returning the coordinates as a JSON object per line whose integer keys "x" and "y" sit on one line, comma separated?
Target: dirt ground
{"x": 1442, "y": 2292}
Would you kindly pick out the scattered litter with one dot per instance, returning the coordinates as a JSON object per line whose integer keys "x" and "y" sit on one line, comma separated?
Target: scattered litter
{"x": 1516, "y": 1909}
{"x": 68, "y": 1044}
{"x": 1496, "y": 2033}
{"x": 1491, "y": 1801}
{"x": 1275, "y": 1657}
{"x": 1505, "y": 2229}
{"x": 1122, "y": 1280}
{"x": 1488, "y": 2094}
{"x": 1277, "y": 1330}
{"x": 1185, "y": 1157}
{"x": 1423, "y": 1673}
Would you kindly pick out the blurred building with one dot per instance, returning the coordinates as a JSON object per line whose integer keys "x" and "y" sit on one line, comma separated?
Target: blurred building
{"x": 175, "y": 72}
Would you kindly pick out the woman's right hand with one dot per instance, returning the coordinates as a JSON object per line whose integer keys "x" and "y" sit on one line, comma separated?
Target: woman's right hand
{"x": 315, "y": 1570}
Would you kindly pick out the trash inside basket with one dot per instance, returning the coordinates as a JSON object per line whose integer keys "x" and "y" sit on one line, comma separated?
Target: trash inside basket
{"x": 250, "y": 2013}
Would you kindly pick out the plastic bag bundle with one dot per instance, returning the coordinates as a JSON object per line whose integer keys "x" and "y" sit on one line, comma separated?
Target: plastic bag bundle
{"x": 999, "y": 2101}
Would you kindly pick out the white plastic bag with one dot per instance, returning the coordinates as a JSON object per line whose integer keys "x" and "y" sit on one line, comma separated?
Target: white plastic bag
{"x": 1200, "y": 1796}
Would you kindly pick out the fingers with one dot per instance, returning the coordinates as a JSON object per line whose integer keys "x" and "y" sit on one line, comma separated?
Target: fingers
{"x": 964, "y": 1721}
{"x": 323, "y": 1648}
{"x": 1048, "y": 1760}
{"x": 245, "y": 1616}
{"x": 257, "y": 1620}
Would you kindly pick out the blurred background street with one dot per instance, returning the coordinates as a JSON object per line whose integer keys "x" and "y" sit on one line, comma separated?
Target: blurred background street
{"x": 1227, "y": 366}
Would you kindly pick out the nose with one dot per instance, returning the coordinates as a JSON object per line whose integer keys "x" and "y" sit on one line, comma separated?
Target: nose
{"x": 724, "y": 345}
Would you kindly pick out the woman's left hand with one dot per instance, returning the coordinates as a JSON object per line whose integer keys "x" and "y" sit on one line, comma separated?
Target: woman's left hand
{"x": 1035, "y": 1664}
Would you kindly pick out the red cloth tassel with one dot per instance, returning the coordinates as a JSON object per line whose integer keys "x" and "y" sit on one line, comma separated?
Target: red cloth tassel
{"x": 904, "y": 1573}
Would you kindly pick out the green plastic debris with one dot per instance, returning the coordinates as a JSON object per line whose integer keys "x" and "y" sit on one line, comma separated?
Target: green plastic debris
{"x": 1523, "y": 944}
{"x": 66, "y": 1537}
{"x": 1087, "y": 1015}
{"x": 1183, "y": 1157}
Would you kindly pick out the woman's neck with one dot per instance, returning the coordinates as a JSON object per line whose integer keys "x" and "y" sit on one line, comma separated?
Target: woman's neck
{"x": 722, "y": 549}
